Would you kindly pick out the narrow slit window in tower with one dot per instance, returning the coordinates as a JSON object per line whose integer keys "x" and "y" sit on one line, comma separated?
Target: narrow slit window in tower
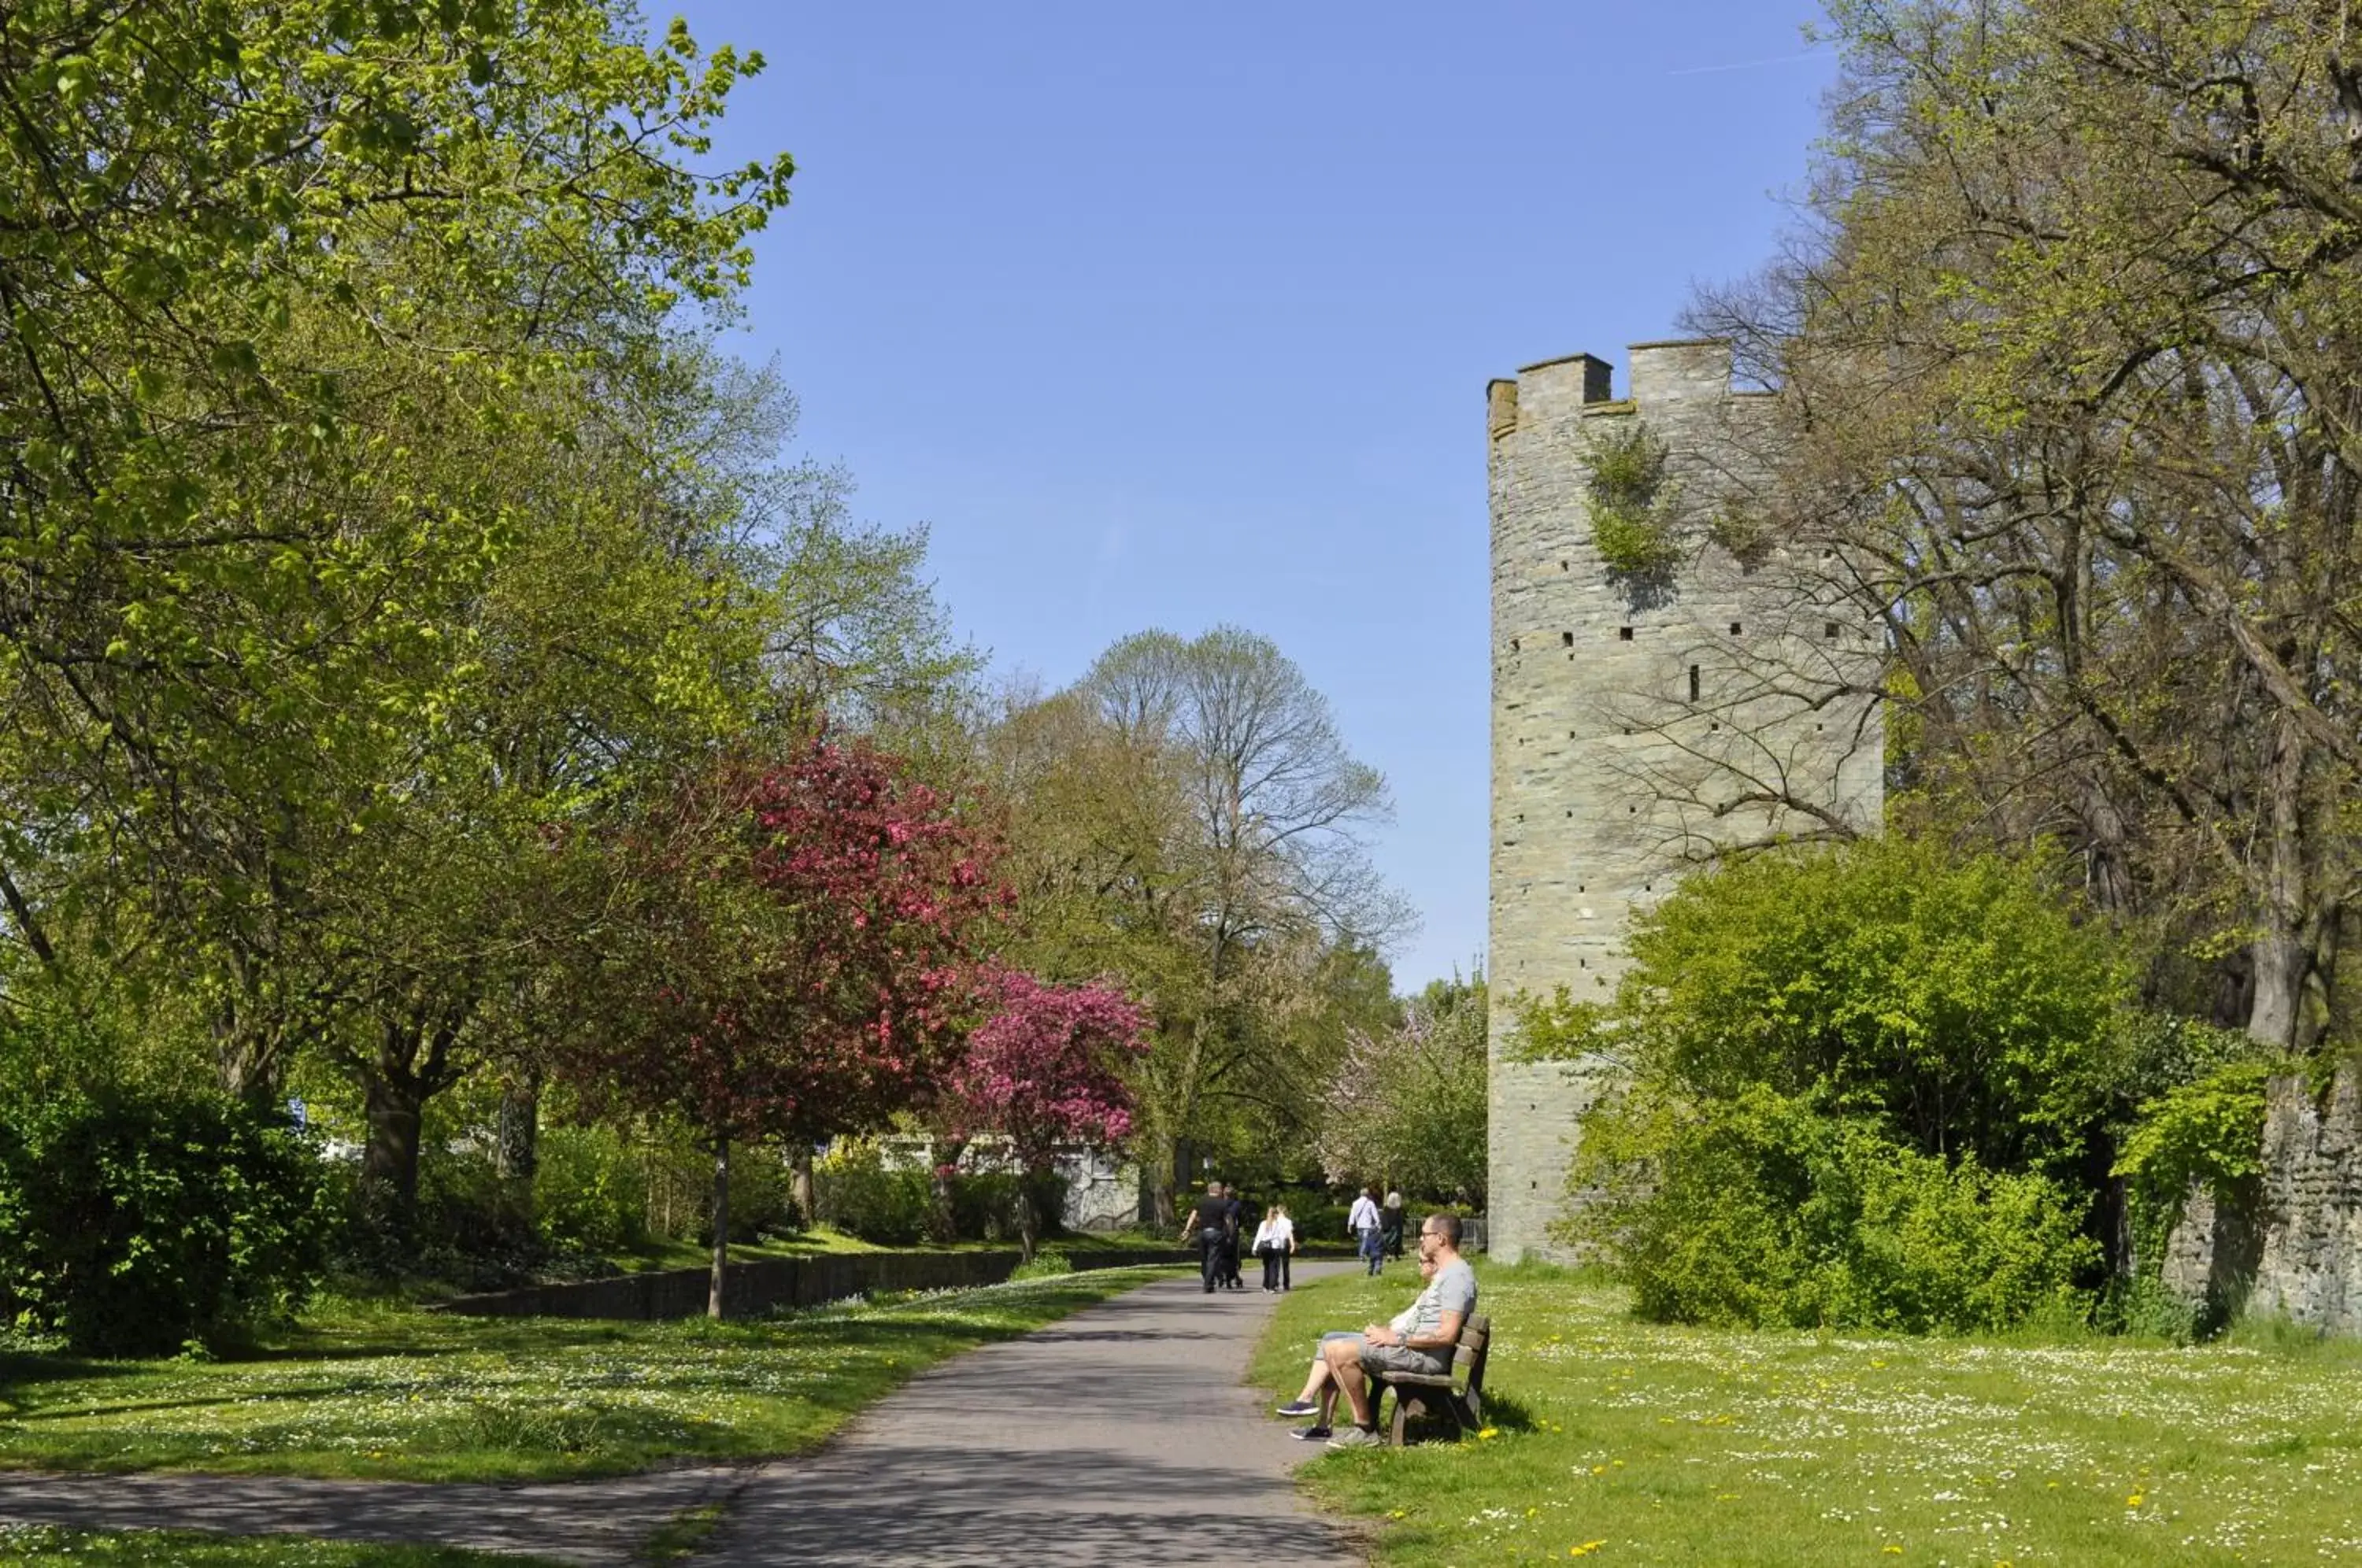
{"x": 1566, "y": 639}
{"x": 1513, "y": 644}
{"x": 1830, "y": 629}
{"x": 1734, "y": 628}
{"x": 1624, "y": 634}
{"x": 1694, "y": 683}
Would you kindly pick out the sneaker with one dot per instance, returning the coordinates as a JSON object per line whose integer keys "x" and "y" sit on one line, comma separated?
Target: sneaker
{"x": 1310, "y": 1435}
{"x": 1357, "y": 1437}
{"x": 1296, "y": 1407}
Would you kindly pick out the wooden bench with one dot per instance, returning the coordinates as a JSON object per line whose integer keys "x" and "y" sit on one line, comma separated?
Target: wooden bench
{"x": 1429, "y": 1394}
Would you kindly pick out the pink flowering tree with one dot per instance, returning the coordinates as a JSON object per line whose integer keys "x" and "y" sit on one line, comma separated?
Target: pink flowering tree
{"x": 1044, "y": 1071}
{"x": 785, "y": 954}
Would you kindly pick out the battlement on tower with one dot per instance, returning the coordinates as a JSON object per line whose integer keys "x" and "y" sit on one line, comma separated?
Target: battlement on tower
{"x": 1635, "y": 718}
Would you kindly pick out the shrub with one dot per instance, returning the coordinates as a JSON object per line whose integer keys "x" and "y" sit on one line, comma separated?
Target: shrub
{"x": 589, "y": 1190}
{"x": 135, "y": 1223}
{"x": 1957, "y": 1002}
{"x": 762, "y": 1202}
{"x": 985, "y": 1204}
{"x": 1634, "y": 522}
{"x": 855, "y": 1192}
{"x": 1762, "y": 1210}
{"x": 1043, "y": 1265}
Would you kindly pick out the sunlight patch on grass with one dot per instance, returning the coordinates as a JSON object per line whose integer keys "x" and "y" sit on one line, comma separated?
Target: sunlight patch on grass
{"x": 381, "y": 1391}
{"x": 1625, "y": 1441}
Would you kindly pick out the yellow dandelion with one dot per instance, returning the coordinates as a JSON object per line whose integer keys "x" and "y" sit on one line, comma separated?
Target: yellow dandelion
{"x": 2135, "y": 1501}
{"x": 1586, "y": 1549}
{"x": 1487, "y": 1434}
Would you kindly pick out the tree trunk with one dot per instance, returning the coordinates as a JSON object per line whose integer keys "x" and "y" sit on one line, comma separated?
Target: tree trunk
{"x": 519, "y": 1145}
{"x": 411, "y": 1065}
{"x": 720, "y": 1225}
{"x": 519, "y": 1129}
{"x": 1028, "y": 1224}
{"x": 2289, "y": 1009}
{"x": 394, "y": 1110}
{"x": 1170, "y": 1181}
{"x": 799, "y": 1183}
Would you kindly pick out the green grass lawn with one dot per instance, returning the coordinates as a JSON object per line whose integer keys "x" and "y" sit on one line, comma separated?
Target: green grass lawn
{"x": 1630, "y": 1443}
{"x": 396, "y": 1393}
{"x": 46, "y": 1546}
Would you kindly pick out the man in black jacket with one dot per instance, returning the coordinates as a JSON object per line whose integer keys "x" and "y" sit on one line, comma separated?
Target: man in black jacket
{"x": 1205, "y": 1229}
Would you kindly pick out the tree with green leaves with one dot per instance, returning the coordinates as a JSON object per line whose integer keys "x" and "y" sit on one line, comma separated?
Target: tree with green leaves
{"x": 287, "y": 290}
{"x": 1187, "y": 818}
{"x": 2069, "y": 405}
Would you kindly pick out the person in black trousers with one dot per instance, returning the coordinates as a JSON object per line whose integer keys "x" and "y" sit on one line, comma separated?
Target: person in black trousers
{"x": 1203, "y": 1228}
{"x": 1233, "y": 1215}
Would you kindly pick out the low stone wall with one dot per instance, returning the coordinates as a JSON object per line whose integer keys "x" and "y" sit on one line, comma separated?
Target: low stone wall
{"x": 2311, "y": 1266}
{"x": 764, "y": 1283}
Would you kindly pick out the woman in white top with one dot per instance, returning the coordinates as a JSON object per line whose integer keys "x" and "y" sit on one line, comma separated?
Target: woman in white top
{"x": 1274, "y": 1239}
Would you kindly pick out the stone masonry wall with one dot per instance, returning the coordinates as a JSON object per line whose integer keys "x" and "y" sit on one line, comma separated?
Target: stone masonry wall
{"x": 2211, "y": 1254}
{"x": 1628, "y": 728}
{"x": 2311, "y": 1268}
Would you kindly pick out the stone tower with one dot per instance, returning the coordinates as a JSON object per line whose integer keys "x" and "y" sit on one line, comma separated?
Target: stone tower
{"x": 1639, "y": 726}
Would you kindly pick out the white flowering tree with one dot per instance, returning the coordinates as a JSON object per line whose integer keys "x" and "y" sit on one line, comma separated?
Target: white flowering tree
{"x": 1407, "y": 1106}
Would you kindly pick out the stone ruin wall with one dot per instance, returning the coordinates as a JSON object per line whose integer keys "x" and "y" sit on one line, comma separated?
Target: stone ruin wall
{"x": 1623, "y": 724}
{"x": 2301, "y": 1254}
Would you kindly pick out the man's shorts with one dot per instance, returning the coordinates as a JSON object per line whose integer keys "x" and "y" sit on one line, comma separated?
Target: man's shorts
{"x": 1393, "y": 1360}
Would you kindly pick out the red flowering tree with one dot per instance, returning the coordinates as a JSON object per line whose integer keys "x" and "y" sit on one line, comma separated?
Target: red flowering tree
{"x": 786, "y": 954}
{"x": 1044, "y": 1072}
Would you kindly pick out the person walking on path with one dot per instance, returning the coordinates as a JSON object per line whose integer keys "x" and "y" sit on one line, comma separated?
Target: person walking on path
{"x": 1234, "y": 1219}
{"x": 1426, "y": 1346}
{"x": 1364, "y": 1222}
{"x": 1391, "y": 1223}
{"x": 1203, "y": 1228}
{"x": 1274, "y": 1242}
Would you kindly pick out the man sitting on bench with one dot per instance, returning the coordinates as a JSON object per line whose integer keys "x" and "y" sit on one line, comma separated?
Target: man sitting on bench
{"x": 1421, "y": 1340}
{"x": 1319, "y": 1396}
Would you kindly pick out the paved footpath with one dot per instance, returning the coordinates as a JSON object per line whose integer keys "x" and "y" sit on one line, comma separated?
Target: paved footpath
{"x": 1119, "y": 1435}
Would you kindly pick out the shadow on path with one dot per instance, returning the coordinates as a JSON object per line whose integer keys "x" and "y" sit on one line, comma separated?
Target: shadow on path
{"x": 1122, "y": 1436}
{"x": 1118, "y": 1435}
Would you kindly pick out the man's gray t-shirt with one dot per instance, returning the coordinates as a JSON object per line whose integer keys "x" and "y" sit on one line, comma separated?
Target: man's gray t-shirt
{"x": 1454, "y": 1289}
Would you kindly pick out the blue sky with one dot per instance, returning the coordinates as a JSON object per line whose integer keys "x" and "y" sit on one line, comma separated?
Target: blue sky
{"x": 1177, "y": 315}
